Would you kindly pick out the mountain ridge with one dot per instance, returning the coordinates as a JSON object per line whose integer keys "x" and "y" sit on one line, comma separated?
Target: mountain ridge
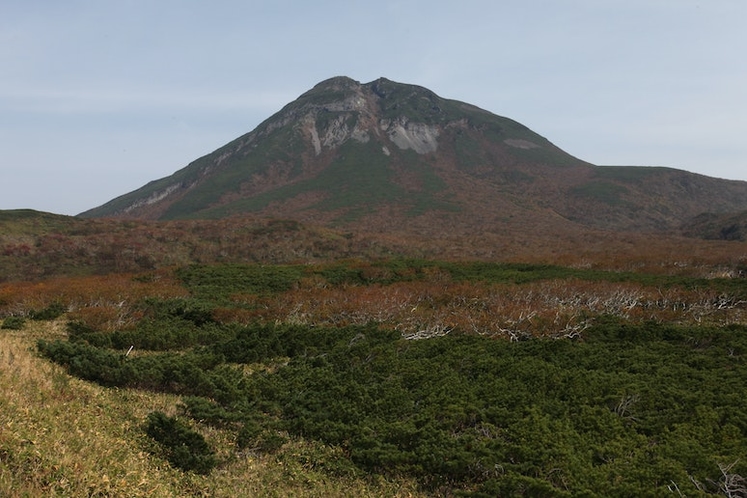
{"x": 382, "y": 153}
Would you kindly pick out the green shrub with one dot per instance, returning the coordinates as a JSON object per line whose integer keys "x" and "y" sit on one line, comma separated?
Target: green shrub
{"x": 221, "y": 281}
{"x": 270, "y": 441}
{"x": 197, "y": 311}
{"x": 51, "y": 312}
{"x": 88, "y": 362}
{"x": 184, "y": 448}
{"x": 207, "y": 411}
{"x": 248, "y": 434}
{"x": 13, "y": 323}
{"x": 79, "y": 331}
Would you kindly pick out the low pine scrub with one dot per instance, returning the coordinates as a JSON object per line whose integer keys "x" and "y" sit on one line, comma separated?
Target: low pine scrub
{"x": 184, "y": 448}
{"x": 630, "y": 410}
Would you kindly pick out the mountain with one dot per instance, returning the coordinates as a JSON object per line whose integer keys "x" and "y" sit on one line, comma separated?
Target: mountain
{"x": 388, "y": 155}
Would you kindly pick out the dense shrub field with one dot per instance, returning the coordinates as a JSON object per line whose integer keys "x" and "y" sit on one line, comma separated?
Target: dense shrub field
{"x": 475, "y": 379}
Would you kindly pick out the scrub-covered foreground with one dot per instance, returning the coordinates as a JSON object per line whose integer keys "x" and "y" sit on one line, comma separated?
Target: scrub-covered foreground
{"x": 476, "y": 378}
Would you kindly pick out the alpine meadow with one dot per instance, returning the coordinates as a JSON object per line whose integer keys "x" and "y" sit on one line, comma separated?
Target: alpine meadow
{"x": 380, "y": 292}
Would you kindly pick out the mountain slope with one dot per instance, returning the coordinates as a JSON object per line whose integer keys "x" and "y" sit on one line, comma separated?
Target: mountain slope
{"x": 730, "y": 226}
{"x": 386, "y": 154}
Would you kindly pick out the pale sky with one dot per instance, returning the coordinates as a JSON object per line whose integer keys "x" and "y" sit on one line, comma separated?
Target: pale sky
{"x": 99, "y": 97}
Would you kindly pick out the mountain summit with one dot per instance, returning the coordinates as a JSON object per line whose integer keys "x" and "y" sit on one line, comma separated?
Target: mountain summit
{"x": 384, "y": 152}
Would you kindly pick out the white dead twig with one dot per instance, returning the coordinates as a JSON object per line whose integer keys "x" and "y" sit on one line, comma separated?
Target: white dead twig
{"x": 437, "y": 330}
{"x": 731, "y": 485}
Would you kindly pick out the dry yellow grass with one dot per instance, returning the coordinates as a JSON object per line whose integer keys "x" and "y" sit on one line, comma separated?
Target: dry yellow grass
{"x": 60, "y": 436}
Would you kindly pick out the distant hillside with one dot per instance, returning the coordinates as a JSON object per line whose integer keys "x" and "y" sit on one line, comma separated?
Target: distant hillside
{"x": 730, "y": 226}
{"x": 36, "y": 245}
{"x": 383, "y": 155}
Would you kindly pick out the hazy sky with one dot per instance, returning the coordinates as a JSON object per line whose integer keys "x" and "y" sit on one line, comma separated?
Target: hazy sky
{"x": 99, "y": 97}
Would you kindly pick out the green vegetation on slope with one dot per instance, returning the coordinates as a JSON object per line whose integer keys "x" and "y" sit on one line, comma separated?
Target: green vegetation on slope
{"x": 358, "y": 181}
{"x": 27, "y": 222}
{"x": 607, "y": 193}
{"x": 631, "y": 174}
{"x": 217, "y": 281}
